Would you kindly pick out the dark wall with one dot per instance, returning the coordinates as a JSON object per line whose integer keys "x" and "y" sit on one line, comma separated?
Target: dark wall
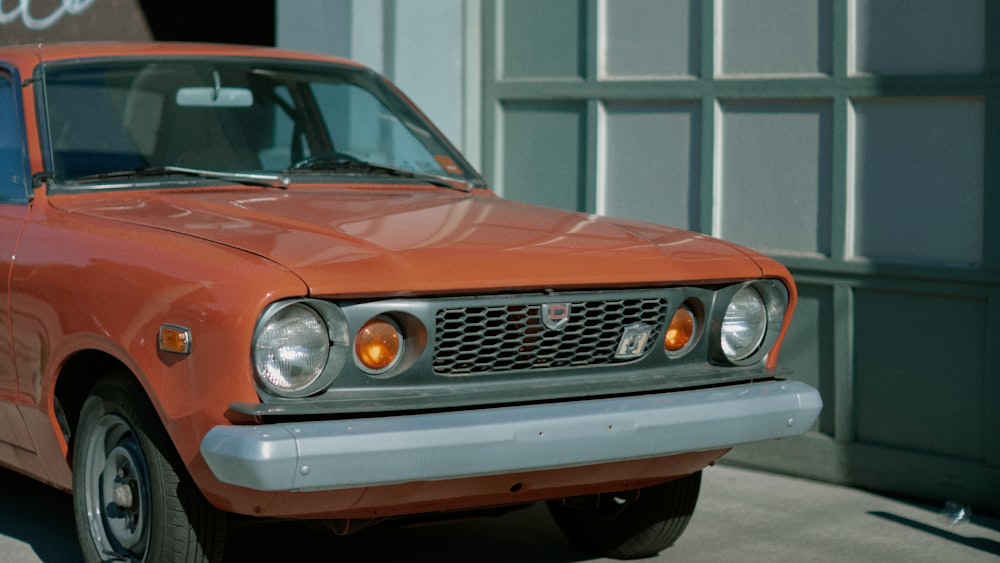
{"x": 220, "y": 21}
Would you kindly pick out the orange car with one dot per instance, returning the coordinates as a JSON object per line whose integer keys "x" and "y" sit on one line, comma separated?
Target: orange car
{"x": 251, "y": 281}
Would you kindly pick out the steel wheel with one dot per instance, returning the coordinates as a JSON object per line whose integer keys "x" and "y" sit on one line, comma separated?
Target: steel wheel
{"x": 132, "y": 497}
{"x": 116, "y": 489}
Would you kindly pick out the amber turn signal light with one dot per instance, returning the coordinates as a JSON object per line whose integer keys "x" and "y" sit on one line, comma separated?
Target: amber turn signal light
{"x": 176, "y": 339}
{"x": 378, "y": 345}
{"x": 681, "y": 330}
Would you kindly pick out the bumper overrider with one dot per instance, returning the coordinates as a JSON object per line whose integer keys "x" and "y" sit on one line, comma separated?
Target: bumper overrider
{"x": 364, "y": 452}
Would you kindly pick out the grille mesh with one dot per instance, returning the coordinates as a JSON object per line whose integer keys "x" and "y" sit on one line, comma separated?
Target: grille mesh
{"x": 489, "y": 339}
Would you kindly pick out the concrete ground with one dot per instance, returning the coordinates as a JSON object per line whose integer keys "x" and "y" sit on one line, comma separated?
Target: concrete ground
{"x": 742, "y": 516}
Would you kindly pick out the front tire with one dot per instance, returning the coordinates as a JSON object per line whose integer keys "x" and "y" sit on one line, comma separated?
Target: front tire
{"x": 132, "y": 497}
{"x": 629, "y": 524}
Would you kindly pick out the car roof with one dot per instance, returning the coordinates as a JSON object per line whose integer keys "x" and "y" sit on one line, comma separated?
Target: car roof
{"x": 30, "y": 55}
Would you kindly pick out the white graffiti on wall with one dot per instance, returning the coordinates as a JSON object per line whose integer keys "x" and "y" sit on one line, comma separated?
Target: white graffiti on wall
{"x": 22, "y": 11}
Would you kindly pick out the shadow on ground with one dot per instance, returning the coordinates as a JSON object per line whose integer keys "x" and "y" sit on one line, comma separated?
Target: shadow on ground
{"x": 42, "y": 518}
{"x": 986, "y": 545}
{"x": 527, "y": 536}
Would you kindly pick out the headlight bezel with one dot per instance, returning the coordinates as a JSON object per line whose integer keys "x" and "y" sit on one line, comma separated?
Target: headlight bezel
{"x": 330, "y": 358}
{"x": 774, "y": 297}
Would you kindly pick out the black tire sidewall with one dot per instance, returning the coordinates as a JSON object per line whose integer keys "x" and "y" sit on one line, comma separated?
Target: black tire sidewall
{"x": 646, "y": 526}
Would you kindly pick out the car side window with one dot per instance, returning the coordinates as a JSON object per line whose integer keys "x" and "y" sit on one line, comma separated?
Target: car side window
{"x": 13, "y": 160}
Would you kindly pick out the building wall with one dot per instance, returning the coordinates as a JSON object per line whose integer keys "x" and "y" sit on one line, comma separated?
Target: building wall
{"x": 36, "y": 21}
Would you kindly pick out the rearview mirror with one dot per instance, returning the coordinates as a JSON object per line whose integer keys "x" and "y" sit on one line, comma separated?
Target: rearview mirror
{"x": 209, "y": 97}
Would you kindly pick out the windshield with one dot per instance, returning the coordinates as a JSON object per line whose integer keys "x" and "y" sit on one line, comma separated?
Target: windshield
{"x": 233, "y": 116}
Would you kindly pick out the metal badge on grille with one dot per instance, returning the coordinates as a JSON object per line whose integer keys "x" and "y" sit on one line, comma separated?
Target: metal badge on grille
{"x": 633, "y": 341}
{"x": 554, "y": 316}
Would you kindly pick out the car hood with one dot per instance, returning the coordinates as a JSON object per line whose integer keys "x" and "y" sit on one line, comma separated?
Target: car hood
{"x": 392, "y": 241}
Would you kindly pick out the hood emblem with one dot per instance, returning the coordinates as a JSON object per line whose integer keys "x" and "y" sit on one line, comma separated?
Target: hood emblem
{"x": 554, "y": 316}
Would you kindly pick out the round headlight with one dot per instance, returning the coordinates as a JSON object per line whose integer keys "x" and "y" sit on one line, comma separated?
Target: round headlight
{"x": 744, "y": 325}
{"x": 291, "y": 349}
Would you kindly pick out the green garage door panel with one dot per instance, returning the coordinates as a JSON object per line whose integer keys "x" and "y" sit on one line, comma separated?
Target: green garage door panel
{"x": 542, "y": 39}
{"x": 919, "y": 372}
{"x": 651, "y": 171}
{"x": 775, "y": 37}
{"x": 543, "y": 159}
{"x": 925, "y": 37}
{"x": 649, "y": 38}
{"x": 775, "y": 185}
{"x": 906, "y": 178}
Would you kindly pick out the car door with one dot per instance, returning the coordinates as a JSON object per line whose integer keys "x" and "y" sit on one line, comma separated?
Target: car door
{"x": 14, "y": 188}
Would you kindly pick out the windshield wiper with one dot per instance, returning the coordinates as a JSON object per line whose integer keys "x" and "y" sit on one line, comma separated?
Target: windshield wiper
{"x": 248, "y": 178}
{"x": 338, "y": 163}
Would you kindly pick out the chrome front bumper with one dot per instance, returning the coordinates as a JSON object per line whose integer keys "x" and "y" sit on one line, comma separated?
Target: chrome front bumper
{"x": 343, "y": 454}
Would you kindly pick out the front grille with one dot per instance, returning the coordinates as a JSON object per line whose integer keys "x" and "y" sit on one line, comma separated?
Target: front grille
{"x": 510, "y": 337}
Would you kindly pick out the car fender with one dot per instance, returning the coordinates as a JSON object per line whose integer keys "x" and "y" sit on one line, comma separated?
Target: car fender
{"x": 103, "y": 290}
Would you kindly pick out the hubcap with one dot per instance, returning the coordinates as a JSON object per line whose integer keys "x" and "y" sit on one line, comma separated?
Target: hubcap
{"x": 117, "y": 489}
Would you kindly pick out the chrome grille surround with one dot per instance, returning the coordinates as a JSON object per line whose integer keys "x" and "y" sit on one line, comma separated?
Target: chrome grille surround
{"x": 505, "y": 337}
{"x": 442, "y": 368}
